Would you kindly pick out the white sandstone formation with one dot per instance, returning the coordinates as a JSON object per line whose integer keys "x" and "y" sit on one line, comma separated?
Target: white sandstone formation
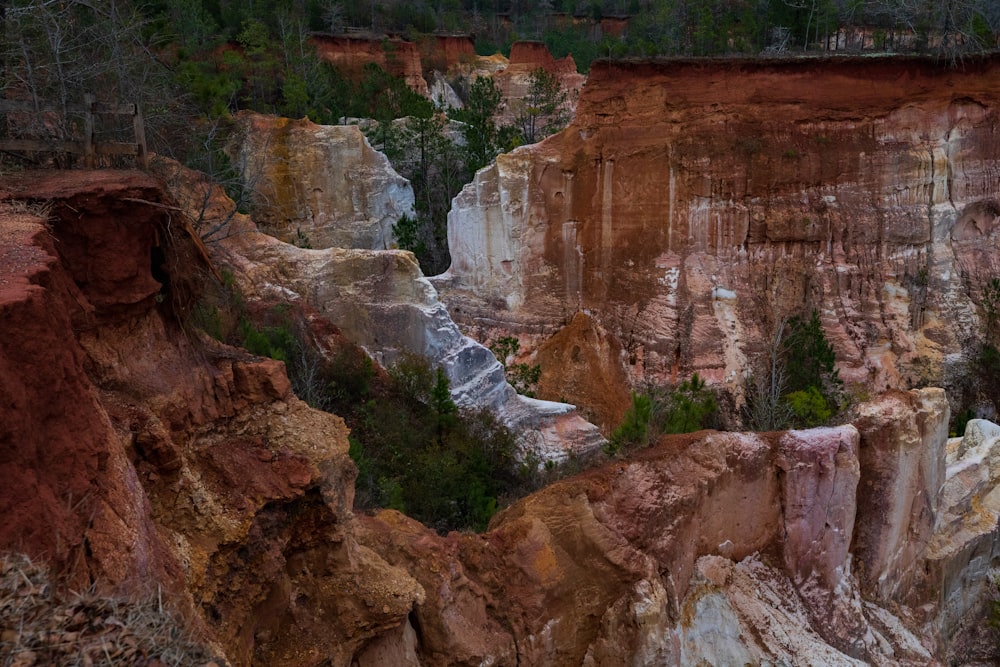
{"x": 381, "y": 301}
{"x": 964, "y": 551}
{"x": 491, "y": 233}
{"x": 442, "y": 94}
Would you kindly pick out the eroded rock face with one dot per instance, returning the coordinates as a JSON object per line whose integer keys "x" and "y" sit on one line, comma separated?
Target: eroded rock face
{"x": 320, "y": 183}
{"x": 692, "y": 204}
{"x": 137, "y": 455}
{"x": 964, "y": 551}
{"x": 445, "y": 53}
{"x": 648, "y": 561}
{"x": 69, "y": 488}
{"x": 192, "y": 465}
{"x": 902, "y": 469}
{"x": 381, "y": 301}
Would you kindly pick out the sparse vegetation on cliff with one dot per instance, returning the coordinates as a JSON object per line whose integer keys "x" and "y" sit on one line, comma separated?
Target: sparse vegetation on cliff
{"x": 542, "y": 111}
{"x": 686, "y": 408}
{"x": 522, "y": 376}
{"x": 796, "y": 383}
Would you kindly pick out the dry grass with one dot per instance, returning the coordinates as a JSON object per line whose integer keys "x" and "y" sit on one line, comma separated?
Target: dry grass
{"x": 38, "y": 209}
{"x": 40, "y": 626}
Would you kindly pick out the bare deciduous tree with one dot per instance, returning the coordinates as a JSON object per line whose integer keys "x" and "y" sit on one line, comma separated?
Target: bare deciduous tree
{"x": 765, "y": 408}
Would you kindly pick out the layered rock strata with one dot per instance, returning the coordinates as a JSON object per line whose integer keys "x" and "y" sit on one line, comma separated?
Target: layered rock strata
{"x": 136, "y": 455}
{"x": 351, "y": 53}
{"x": 693, "y": 204}
{"x": 381, "y": 301}
{"x": 160, "y": 457}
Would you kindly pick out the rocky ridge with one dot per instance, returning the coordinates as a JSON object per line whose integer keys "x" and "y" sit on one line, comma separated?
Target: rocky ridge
{"x": 643, "y": 561}
{"x": 431, "y": 65}
{"x": 320, "y": 183}
{"x": 137, "y": 455}
{"x": 396, "y": 56}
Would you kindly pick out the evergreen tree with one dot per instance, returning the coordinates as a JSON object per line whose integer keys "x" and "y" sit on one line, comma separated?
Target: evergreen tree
{"x": 542, "y": 111}
{"x": 484, "y": 140}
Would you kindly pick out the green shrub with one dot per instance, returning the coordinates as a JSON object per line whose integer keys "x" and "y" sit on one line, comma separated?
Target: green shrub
{"x": 809, "y": 358}
{"x": 634, "y": 429}
{"x": 809, "y": 407}
{"x": 522, "y": 376}
{"x": 688, "y": 407}
{"x": 277, "y": 342}
{"x": 416, "y": 451}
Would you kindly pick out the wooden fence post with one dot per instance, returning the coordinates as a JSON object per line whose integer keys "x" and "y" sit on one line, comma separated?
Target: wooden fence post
{"x": 88, "y": 131}
{"x": 140, "y": 138}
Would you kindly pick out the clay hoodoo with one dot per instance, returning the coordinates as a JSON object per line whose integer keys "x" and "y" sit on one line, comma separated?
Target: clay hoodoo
{"x": 351, "y": 53}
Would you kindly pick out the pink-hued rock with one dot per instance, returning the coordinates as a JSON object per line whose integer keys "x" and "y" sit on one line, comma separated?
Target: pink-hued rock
{"x": 719, "y": 547}
{"x": 902, "y": 469}
{"x": 820, "y": 479}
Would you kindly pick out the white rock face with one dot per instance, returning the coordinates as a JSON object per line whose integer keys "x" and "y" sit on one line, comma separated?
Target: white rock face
{"x": 489, "y": 231}
{"x": 324, "y": 183}
{"x": 328, "y": 182}
{"x": 380, "y": 300}
{"x": 750, "y": 613}
{"x": 442, "y": 94}
{"x": 902, "y": 456}
{"x": 965, "y": 548}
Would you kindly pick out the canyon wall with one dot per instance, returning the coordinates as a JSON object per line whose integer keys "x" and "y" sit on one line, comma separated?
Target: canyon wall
{"x": 350, "y": 54}
{"x": 432, "y": 64}
{"x": 647, "y": 560}
{"x": 692, "y": 204}
{"x": 689, "y": 206}
{"x": 381, "y": 301}
{"x": 137, "y": 452}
